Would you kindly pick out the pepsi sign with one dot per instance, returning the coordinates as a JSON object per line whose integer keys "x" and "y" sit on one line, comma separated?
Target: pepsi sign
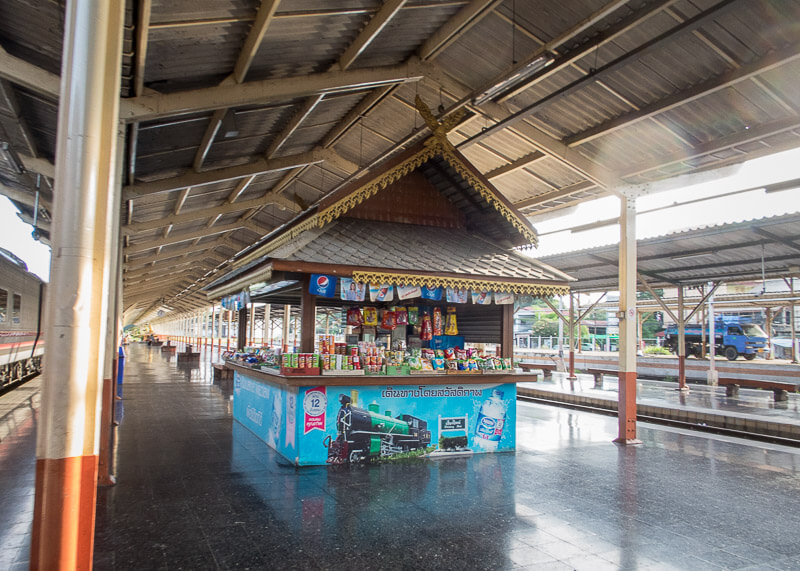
{"x": 322, "y": 285}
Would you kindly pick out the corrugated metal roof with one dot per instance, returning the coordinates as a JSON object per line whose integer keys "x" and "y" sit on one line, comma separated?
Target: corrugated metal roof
{"x": 706, "y": 94}
{"x": 739, "y": 251}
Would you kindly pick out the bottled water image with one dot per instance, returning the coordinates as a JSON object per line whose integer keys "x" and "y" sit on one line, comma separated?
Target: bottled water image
{"x": 491, "y": 419}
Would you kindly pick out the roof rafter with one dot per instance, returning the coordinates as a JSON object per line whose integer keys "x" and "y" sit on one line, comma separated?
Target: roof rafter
{"x": 160, "y": 105}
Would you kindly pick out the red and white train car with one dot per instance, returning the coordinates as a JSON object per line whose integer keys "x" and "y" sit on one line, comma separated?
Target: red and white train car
{"x": 21, "y": 342}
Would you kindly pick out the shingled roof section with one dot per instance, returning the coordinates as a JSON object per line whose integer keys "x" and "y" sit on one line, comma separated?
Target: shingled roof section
{"x": 408, "y": 247}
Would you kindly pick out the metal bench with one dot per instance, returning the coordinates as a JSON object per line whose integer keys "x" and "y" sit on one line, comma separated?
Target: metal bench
{"x": 780, "y": 389}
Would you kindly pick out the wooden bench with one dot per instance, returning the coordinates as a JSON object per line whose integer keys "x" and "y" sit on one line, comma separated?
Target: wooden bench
{"x": 780, "y": 389}
{"x": 547, "y": 368}
{"x": 221, "y": 372}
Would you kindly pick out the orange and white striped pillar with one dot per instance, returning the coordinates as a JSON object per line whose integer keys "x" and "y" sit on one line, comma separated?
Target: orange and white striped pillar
{"x": 627, "y": 322}
{"x": 76, "y": 328}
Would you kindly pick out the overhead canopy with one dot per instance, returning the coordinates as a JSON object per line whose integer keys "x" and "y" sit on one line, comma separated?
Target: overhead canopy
{"x": 768, "y": 247}
{"x": 239, "y": 113}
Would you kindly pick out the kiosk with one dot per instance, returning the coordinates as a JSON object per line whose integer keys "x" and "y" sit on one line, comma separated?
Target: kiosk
{"x": 426, "y": 260}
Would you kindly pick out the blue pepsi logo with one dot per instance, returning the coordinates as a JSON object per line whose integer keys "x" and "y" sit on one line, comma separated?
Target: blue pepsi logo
{"x": 322, "y": 282}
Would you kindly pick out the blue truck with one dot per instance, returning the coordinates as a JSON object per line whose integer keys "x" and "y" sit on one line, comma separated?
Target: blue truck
{"x": 731, "y": 338}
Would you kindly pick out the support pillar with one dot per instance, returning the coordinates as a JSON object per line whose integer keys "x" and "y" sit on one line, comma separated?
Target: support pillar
{"x": 228, "y": 337}
{"x": 792, "y": 317}
{"x": 112, "y": 340}
{"x": 287, "y": 315}
{"x": 242, "y": 328}
{"x": 712, "y": 378}
{"x": 507, "y": 332}
{"x": 76, "y": 327}
{"x": 571, "y": 337}
{"x": 252, "y": 322}
{"x": 771, "y": 353}
{"x": 627, "y": 322}
{"x": 308, "y": 319}
{"x": 681, "y": 341}
{"x": 267, "y": 333}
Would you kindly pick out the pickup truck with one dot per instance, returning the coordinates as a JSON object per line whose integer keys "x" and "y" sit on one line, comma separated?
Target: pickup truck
{"x": 730, "y": 338}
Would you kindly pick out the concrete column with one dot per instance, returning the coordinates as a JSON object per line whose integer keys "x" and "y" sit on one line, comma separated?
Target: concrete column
{"x": 771, "y": 354}
{"x": 213, "y": 330}
{"x": 287, "y": 315}
{"x": 230, "y": 322}
{"x": 791, "y": 313}
{"x": 308, "y": 322}
{"x": 266, "y": 336}
{"x": 114, "y": 293}
{"x": 627, "y": 322}
{"x": 571, "y": 337}
{"x": 252, "y": 324}
{"x": 681, "y": 341}
{"x": 84, "y": 210}
{"x": 712, "y": 378}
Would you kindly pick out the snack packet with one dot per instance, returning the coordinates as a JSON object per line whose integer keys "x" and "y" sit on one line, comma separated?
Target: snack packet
{"x": 451, "y": 327}
{"x": 402, "y": 315}
{"x": 354, "y": 317}
{"x": 426, "y": 331}
{"x": 413, "y": 315}
{"x": 389, "y": 320}
{"x": 437, "y": 321}
{"x": 370, "y": 316}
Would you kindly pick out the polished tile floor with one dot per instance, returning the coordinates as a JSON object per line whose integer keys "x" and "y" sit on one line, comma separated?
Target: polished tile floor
{"x": 198, "y": 491}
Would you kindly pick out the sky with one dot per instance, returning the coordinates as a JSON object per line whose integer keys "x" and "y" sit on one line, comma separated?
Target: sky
{"x": 554, "y": 234}
{"x": 15, "y": 236}
{"x": 555, "y": 238}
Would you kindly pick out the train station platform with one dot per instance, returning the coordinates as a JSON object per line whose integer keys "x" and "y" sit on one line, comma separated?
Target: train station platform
{"x": 196, "y": 490}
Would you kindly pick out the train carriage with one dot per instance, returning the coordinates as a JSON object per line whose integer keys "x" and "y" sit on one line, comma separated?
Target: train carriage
{"x": 21, "y": 342}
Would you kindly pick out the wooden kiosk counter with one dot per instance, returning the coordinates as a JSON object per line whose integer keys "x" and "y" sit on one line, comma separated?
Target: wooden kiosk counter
{"x": 421, "y": 258}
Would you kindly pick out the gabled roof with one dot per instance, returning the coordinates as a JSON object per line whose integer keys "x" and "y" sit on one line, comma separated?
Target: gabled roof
{"x": 426, "y": 218}
{"x": 484, "y": 210}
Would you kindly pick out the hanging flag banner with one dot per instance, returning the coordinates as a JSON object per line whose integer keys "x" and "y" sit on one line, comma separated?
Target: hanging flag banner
{"x": 322, "y": 285}
{"x": 503, "y": 298}
{"x": 315, "y": 402}
{"x": 457, "y": 295}
{"x": 352, "y": 290}
{"x": 382, "y": 292}
{"x": 432, "y": 293}
{"x": 481, "y": 297}
{"x": 408, "y": 292}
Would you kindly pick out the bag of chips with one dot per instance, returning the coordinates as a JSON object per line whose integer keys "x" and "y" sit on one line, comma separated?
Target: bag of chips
{"x": 451, "y": 327}
{"x": 437, "y": 321}
{"x": 413, "y": 315}
{"x": 389, "y": 320}
{"x": 354, "y": 317}
{"x": 402, "y": 315}
{"x": 426, "y": 330}
{"x": 370, "y": 316}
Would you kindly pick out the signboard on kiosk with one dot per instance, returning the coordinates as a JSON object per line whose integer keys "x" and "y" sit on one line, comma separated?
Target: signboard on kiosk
{"x": 322, "y": 285}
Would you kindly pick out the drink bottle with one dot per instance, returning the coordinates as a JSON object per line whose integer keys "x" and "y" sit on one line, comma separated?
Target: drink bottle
{"x": 491, "y": 419}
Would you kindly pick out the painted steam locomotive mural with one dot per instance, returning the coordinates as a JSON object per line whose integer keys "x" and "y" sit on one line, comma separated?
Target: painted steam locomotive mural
{"x": 329, "y": 425}
{"x": 21, "y": 343}
{"x": 367, "y": 435}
